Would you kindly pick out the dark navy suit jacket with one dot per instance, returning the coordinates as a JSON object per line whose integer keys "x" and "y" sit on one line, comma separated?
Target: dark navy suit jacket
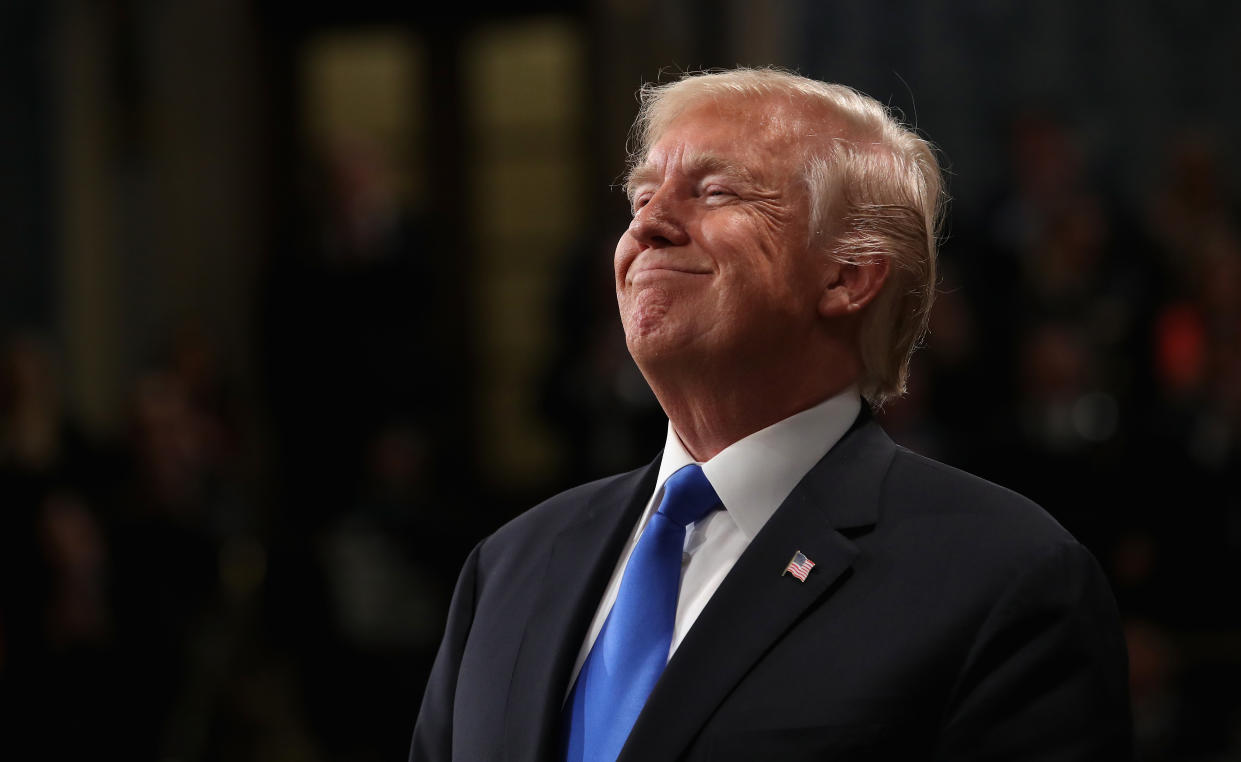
{"x": 945, "y": 618}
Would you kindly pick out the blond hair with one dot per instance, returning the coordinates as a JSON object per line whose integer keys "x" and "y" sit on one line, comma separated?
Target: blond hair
{"x": 888, "y": 204}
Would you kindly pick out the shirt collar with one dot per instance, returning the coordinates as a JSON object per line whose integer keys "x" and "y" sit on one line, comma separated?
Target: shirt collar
{"x": 755, "y": 474}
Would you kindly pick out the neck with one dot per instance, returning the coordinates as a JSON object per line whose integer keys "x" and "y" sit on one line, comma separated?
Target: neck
{"x": 711, "y": 409}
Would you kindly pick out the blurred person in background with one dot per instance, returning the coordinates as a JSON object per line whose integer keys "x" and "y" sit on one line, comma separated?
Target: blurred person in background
{"x": 782, "y": 579}
{"x": 355, "y": 389}
{"x": 58, "y": 624}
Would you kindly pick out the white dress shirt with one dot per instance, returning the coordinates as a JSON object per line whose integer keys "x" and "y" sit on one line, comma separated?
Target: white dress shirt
{"x": 752, "y": 477}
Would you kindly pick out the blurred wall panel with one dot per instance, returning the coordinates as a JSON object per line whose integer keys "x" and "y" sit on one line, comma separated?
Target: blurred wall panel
{"x": 162, "y": 176}
{"x": 524, "y": 87}
{"x": 364, "y": 91}
{"x": 26, "y": 139}
{"x": 203, "y": 187}
{"x": 88, "y": 295}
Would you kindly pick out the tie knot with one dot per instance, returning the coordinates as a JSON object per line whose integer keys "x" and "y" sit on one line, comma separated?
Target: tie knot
{"x": 688, "y": 496}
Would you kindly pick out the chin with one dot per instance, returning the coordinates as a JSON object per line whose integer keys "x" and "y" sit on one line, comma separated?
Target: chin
{"x": 645, "y": 315}
{"x": 658, "y": 328}
{"x": 655, "y": 343}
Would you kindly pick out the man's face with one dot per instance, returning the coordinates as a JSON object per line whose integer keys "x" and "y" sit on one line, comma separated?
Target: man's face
{"x": 715, "y": 266}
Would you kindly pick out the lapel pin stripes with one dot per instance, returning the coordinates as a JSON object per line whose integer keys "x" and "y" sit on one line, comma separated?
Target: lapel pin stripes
{"x": 799, "y": 567}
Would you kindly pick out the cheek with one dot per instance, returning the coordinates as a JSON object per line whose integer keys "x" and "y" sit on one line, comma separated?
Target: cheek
{"x": 626, "y": 252}
{"x": 746, "y": 240}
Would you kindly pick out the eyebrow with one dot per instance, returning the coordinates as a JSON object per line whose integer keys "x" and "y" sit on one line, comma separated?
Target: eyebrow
{"x": 696, "y": 164}
{"x": 640, "y": 175}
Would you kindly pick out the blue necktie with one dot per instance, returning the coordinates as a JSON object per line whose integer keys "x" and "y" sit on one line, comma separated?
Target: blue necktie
{"x": 632, "y": 648}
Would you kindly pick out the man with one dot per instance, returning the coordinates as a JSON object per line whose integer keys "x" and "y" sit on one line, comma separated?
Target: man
{"x": 783, "y": 582}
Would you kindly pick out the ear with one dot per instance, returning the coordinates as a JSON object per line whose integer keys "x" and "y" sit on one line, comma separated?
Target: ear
{"x": 847, "y": 288}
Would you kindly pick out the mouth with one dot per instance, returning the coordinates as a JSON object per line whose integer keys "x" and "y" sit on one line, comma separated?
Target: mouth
{"x": 662, "y": 270}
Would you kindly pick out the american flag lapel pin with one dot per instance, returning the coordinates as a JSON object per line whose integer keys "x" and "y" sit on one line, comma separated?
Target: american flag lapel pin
{"x": 799, "y": 567}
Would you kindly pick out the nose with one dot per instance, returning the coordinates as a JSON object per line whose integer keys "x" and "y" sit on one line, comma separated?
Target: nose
{"x": 659, "y": 223}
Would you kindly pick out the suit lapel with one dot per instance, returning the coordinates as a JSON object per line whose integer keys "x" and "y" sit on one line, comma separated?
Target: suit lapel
{"x": 581, "y": 561}
{"x": 755, "y": 605}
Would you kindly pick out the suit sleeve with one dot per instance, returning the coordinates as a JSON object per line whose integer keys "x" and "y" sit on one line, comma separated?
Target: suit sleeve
{"x": 1047, "y": 675}
{"x": 432, "y": 740}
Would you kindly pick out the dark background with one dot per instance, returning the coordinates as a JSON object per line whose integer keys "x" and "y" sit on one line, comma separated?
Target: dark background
{"x": 297, "y": 302}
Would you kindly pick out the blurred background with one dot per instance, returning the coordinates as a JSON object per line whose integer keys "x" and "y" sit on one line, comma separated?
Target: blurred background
{"x": 299, "y": 301}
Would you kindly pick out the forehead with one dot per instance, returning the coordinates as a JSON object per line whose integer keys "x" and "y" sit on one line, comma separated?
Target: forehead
{"x": 766, "y": 139}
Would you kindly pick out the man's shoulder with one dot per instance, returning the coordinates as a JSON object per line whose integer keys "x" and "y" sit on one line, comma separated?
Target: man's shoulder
{"x": 968, "y": 507}
{"x": 581, "y": 503}
{"x": 911, "y": 470}
{"x": 910, "y": 488}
